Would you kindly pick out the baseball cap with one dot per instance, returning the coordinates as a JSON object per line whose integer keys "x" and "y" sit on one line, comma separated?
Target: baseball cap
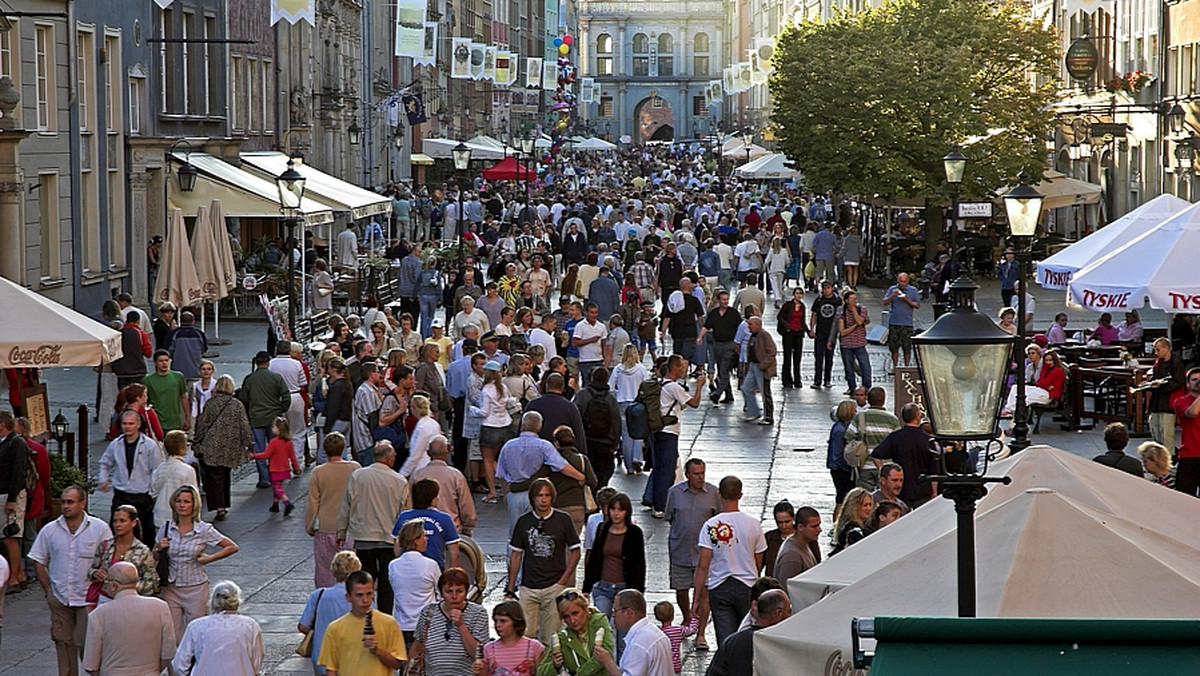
{"x": 492, "y": 365}
{"x": 438, "y": 323}
{"x": 470, "y": 343}
{"x": 490, "y": 335}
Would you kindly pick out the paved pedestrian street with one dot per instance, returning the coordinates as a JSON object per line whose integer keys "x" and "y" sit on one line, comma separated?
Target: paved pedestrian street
{"x": 274, "y": 562}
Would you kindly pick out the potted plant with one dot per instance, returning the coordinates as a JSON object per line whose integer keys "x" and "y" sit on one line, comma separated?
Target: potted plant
{"x": 62, "y": 475}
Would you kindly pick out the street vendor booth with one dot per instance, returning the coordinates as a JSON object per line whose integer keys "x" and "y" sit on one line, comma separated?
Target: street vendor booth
{"x": 917, "y": 646}
{"x": 770, "y": 167}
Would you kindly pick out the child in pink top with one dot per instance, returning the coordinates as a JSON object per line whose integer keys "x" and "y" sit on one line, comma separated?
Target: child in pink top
{"x": 664, "y": 612}
{"x": 279, "y": 455}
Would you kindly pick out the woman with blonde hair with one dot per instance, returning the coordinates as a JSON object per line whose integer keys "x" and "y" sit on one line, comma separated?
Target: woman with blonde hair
{"x": 851, "y": 525}
{"x": 574, "y": 650}
{"x": 327, "y": 603}
{"x": 414, "y": 573}
{"x": 1157, "y": 463}
{"x": 186, "y": 540}
{"x": 495, "y": 426}
{"x": 776, "y": 263}
{"x": 426, "y": 429}
{"x": 624, "y": 382}
{"x": 518, "y": 381}
{"x": 380, "y": 340}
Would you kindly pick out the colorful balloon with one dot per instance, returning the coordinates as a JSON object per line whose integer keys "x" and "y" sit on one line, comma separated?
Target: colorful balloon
{"x": 563, "y": 49}
{"x": 567, "y": 39}
{"x": 558, "y": 42}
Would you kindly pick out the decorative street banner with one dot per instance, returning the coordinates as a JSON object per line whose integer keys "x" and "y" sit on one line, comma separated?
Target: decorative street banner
{"x": 503, "y": 75}
{"x": 716, "y": 91}
{"x": 533, "y": 72}
{"x": 290, "y": 10}
{"x": 489, "y": 64}
{"x": 414, "y": 108}
{"x": 549, "y": 75}
{"x": 410, "y": 28}
{"x": 585, "y": 90}
{"x": 514, "y": 68}
{"x": 764, "y": 49}
{"x": 428, "y": 55}
{"x": 597, "y": 92}
{"x": 730, "y": 78}
{"x": 478, "y": 55}
{"x": 460, "y": 58}
{"x": 745, "y": 76}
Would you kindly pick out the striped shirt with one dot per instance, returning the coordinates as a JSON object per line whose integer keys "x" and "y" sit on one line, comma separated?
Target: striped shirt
{"x": 444, "y": 651}
{"x": 857, "y": 337}
{"x": 186, "y": 571}
{"x": 518, "y": 659}
{"x": 675, "y": 634}
{"x": 876, "y": 424}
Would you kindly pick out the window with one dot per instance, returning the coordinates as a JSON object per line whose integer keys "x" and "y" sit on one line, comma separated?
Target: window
{"x": 666, "y": 43}
{"x": 700, "y": 66}
{"x": 268, "y": 110}
{"x": 162, "y": 61}
{"x": 185, "y": 68}
{"x": 84, "y": 42}
{"x": 116, "y": 219}
{"x": 255, "y": 117}
{"x": 137, "y": 86}
{"x": 666, "y": 58}
{"x": 44, "y": 66}
{"x": 48, "y": 227}
{"x": 641, "y": 55}
{"x": 700, "y": 43}
{"x": 6, "y": 59}
{"x": 112, "y": 88}
{"x": 700, "y": 55}
{"x": 698, "y": 107}
{"x": 604, "y": 58}
{"x": 202, "y": 84}
{"x": 237, "y": 93}
{"x": 606, "y": 106}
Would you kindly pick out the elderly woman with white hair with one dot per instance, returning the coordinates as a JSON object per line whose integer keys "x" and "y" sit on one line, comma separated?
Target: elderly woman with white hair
{"x": 223, "y": 643}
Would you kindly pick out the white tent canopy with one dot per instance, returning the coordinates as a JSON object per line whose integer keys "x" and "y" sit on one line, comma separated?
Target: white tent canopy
{"x": 440, "y": 148}
{"x": 768, "y": 167}
{"x": 1041, "y": 554}
{"x": 738, "y": 152}
{"x": 595, "y": 144}
{"x": 338, "y": 194}
{"x": 489, "y": 142}
{"x": 1160, "y": 265}
{"x": 1056, "y": 271}
{"x": 1063, "y": 191}
{"x": 59, "y": 337}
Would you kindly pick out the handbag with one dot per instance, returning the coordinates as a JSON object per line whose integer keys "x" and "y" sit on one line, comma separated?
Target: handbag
{"x": 855, "y": 452}
{"x": 589, "y": 501}
{"x": 306, "y": 644}
{"x": 162, "y": 565}
{"x": 416, "y": 663}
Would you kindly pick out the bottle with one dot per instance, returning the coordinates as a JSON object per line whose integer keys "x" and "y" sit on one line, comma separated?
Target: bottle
{"x": 369, "y": 626}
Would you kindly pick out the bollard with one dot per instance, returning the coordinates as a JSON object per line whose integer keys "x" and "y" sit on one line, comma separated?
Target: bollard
{"x": 82, "y": 436}
{"x": 69, "y": 443}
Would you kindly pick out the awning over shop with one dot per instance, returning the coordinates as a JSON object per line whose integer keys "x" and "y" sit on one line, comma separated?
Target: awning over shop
{"x": 912, "y": 646}
{"x": 242, "y": 193}
{"x": 421, "y": 159}
{"x": 441, "y": 148}
{"x": 335, "y": 192}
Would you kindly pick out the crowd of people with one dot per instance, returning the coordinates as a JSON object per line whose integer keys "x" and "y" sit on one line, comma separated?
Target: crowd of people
{"x": 565, "y": 346}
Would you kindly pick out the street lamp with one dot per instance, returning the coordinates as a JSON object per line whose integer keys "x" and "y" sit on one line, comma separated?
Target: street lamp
{"x": 962, "y": 359}
{"x": 747, "y": 139}
{"x": 355, "y": 133}
{"x": 955, "y": 165}
{"x": 1175, "y": 118}
{"x": 527, "y": 145}
{"x": 61, "y": 428}
{"x": 1023, "y": 204}
{"x": 462, "y": 160}
{"x": 291, "y": 193}
{"x": 398, "y": 139}
{"x": 1185, "y": 154}
{"x": 187, "y": 173}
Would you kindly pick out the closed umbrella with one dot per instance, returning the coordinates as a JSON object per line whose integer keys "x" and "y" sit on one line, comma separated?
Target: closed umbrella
{"x": 224, "y": 257}
{"x": 177, "y": 278}
{"x": 204, "y": 249}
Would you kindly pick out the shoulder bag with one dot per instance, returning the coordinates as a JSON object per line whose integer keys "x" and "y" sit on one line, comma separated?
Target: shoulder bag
{"x": 416, "y": 663}
{"x": 306, "y": 644}
{"x": 855, "y": 452}
{"x": 162, "y": 565}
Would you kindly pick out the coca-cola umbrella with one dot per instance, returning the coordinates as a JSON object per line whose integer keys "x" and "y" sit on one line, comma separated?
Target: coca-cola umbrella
{"x": 177, "y": 278}
{"x": 1159, "y": 265}
{"x": 60, "y": 336}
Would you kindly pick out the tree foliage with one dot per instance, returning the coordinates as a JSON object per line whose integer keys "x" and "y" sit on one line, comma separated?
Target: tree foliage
{"x": 869, "y": 103}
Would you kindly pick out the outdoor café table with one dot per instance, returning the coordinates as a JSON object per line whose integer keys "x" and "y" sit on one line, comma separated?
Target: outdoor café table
{"x": 1113, "y": 399}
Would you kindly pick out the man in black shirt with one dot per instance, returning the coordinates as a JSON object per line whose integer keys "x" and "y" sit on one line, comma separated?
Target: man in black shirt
{"x": 545, "y": 549}
{"x": 824, "y": 316}
{"x": 682, "y": 316}
{"x": 909, "y": 448}
{"x": 670, "y": 274}
{"x": 723, "y": 324}
{"x": 1116, "y": 438}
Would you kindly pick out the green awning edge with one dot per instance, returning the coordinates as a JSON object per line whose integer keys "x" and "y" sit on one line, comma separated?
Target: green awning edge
{"x": 1038, "y": 630}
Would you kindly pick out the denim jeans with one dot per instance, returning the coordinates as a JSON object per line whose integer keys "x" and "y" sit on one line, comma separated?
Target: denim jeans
{"x": 428, "y": 310}
{"x": 603, "y": 595}
{"x": 662, "y": 477}
{"x": 342, "y": 426}
{"x": 756, "y": 381}
{"x": 631, "y": 449}
{"x": 729, "y": 603}
{"x": 726, "y": 357}
{"x": 823, "y": 354}
{"x": 262, "y": 437}
{"x": 518, "y": 504}
{"x": 849, "y": 356}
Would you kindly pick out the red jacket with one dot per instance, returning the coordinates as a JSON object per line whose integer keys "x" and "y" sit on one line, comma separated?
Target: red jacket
{"x": 38, "y": 501}
{"x": 147, "y": 349}
{"x": 1051, "y": 380}
{"x": 280, "y": 456}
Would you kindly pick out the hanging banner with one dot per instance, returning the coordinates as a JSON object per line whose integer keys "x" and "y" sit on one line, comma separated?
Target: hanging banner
{"x": 549, "y": 75}
{"x": 514, "y": 68}
{"x": 533, "y": 72}
{"x": 478, "y": 54}
{"x": 489, "y": 63}
{"x": 745, "y": 76}
{"x": 503, "y": 76}
{"x": 288, "y": 10}
{"x": 410, "y": 28}
{"x": 414, "y": 108}
{"x": 460, "y": 58}
{"x": 764, "y": 49}
{"x": 585, "y": 90}
{"x": 716, "y": 91}
{"x": 597, "y": 92}
{"x": 757, "y": 75}
{"x": 730, "y": 79}
{"x": 428, "y": 56}
{"x": 163, "y": 4}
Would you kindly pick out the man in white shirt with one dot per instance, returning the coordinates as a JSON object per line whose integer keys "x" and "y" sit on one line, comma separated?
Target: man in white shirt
{"x": 132, "y": 633}
{"x": 647, "y": 648}
{"x": 544, "y": 335}
{"x": 63, "y": 554}
{"x": 731, "y": 551}
{"x": 126, "y": 468}
{"x": 672, "y": 400}
{"x": 125, "y": 302}
{"x": 292, "y": 372}
{"x": 347, "y": 247}
{"x": 589, "y": 338}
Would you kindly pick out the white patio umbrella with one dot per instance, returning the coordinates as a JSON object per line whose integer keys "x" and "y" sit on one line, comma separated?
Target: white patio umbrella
{"x": 595, "y": 144}
{"x": 1056, "y": 271}
{"x": 739, "y": 152}
{"x": 177, "y": 278}
{"x": 225, "y": 251}
{"x": 208, "y": 264}
{"x": 59, "y": 337}
{"x": 1159, "y": 265}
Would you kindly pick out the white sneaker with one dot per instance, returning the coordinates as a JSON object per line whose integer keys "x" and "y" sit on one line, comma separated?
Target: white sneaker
{"x": 750, "y": 418}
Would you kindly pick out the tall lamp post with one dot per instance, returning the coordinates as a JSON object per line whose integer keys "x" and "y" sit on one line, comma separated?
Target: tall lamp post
{"x": 955, "y": 165}
{"x": 962, "y": 359}
{"x": 527, "y": 145}
{"x": 1023, "y": 204}
{"x": 747, "y": 139}
{"x": 291, "y": 191}
{"x": 462, "y": 160}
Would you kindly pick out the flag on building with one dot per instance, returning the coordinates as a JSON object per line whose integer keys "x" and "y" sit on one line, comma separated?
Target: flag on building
{"x": 414, "y": 108}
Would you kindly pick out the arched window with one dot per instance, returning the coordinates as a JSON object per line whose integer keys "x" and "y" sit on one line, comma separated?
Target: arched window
{"x": 604, "y": 54}
{"x": 641, "y": 55}
{"x": 666, "y": 57}
{"x": 700, "y": 55}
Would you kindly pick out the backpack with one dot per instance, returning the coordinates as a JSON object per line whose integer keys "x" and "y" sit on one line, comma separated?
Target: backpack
{"x": 597, "y": 418}
{"x": 393, "y": 433}
{"x": 320, "y": 394}
{"x": 644, "y": 416}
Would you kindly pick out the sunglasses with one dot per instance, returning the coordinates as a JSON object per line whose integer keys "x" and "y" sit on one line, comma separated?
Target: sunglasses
{"x": 569, "y": 595}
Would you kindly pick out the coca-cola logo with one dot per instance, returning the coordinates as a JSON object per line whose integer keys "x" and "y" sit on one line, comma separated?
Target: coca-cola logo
{"x": 835, "y": 666}
{"x": 42, "y": 355}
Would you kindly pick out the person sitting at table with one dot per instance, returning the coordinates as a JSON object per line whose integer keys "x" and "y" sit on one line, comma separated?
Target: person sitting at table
{"x": 1057, "y": 335}
{"x": 1007, "y": 315}
{"x": 1130, "y": 330}
{"x": 1033, "y": 371}
{"x": 1049, "y": 386}
{"x": 1105, "y": 332}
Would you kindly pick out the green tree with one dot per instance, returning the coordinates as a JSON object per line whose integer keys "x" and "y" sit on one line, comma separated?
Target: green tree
{"x": 869, "y": 103}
